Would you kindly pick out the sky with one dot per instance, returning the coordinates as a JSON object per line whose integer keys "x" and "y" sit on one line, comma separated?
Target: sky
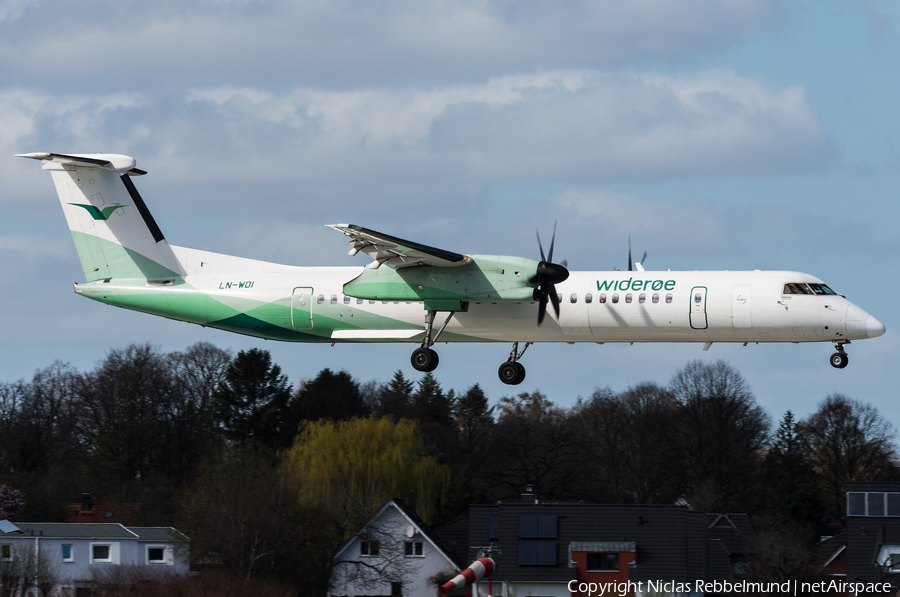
{"x": 720, "y": 135}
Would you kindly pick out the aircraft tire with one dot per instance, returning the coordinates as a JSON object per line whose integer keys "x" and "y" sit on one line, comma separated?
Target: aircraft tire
{"x": 839, "y": 360}
{"x": 424, "y": 359}
{"x": 511, "y": 374}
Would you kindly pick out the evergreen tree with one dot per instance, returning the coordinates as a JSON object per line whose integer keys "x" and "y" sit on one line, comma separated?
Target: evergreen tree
{"x": 330, "y": 395}
{"x": 252, "y": 403}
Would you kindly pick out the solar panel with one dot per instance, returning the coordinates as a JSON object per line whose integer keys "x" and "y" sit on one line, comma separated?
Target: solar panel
{"x": 8, "y": 527}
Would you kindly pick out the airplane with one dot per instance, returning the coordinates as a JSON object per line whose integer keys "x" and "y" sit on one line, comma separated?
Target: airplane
{"x": 411, "y": 292}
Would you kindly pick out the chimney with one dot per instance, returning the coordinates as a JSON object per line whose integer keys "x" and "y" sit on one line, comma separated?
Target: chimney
{"x": 411, "y": 502}
{"x": 87, "y": 504}
{"x": 529, "y": 496}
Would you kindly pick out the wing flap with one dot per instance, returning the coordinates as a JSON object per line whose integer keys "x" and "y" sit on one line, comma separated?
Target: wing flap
{"x": 395, "y": 252}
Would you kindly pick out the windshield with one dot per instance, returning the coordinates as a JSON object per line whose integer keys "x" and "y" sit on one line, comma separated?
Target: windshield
{"x": 807, "y": 288}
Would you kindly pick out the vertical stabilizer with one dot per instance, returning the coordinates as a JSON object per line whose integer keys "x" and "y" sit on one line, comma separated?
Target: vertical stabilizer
{"x": 114, "y": 233}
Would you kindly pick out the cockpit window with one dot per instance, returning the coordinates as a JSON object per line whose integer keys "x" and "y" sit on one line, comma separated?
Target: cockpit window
{"x": 796, "y": 288}
{"x": 820, "y": 288}
{"x": 807, "y": 288}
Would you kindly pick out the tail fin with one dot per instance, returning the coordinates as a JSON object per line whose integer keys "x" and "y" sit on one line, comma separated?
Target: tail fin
{"x": 114, "y": 233}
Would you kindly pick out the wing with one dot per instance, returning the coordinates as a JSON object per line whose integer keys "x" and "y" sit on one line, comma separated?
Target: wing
{"x": 395, "y": 252}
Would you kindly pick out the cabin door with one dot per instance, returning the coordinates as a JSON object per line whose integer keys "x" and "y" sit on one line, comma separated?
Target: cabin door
{"x": 740, "y": 307}
{"x": 301, "y": 308}
{"x": 698, "y": 308}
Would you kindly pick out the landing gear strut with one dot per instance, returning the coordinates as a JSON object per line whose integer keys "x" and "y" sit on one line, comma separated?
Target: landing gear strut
{"x": 512, "y": 372}
{"x": 840, "y": 359}
{"x": 424, "y": 358}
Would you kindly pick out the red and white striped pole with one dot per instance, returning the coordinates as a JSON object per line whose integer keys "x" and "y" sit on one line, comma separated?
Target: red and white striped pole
{"x": 479, "y": 569}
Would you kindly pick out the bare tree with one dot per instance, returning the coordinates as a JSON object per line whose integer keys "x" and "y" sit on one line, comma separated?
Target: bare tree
{"x": 721, "y": 435}
{"x": 625, "y": 441}
{"x": 848, "y": 441}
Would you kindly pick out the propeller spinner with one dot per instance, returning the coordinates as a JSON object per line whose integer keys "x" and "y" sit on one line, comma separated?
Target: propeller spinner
{"x": 546, "y": 277}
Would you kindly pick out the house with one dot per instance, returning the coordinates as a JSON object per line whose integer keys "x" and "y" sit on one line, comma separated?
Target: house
{"x": 394, "y": 554}
{"x": 542, "y": 547}
{"x": 76, "y": 555}
{"x": 91, "y": 510}
{"x": 872, "y": 534}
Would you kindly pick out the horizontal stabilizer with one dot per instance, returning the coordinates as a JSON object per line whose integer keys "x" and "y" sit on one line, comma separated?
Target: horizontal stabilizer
{"x": 114, "y": 162}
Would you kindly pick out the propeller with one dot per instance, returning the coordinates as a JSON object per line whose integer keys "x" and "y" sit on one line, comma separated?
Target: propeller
{"x": 643, "y": 259}
{"x": 546, "y": 277}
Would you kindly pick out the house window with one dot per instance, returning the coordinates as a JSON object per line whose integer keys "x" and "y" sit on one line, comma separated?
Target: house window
{"x": 741, "y": 568}
{"x": 156, "y": 554}
{"x": 396, "y": 589}
{"x": 67, "y": 553}
{"x": 369, "y": 548}
{"x": 6, "y": 552}
{"x": 602, "y": 562}
{"x": 894, "y": 562}
{"x": 495, "y": 527}
{"x": 412, "y": 548}
{"x": 100, "y": 552}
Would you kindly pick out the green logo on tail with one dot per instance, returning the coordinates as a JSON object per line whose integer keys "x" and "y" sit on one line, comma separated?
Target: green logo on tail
{"x": 97, "y": 213}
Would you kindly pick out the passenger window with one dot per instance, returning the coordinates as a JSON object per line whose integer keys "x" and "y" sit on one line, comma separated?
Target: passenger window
{"x": 573, "y": 298}
{"x": 559, "y": 297}
{"x": 642, "y": 298}
{"x": 698, "y": 298}
{"x": 602, "y": 298}
{"x": 588, "y": 297}
{"x": 669, "y": 297}
{"x": 346, "y": 300}
{"x": 359, "y": 301}
{"x": 333, "y": 299}
{"x": 321, "y": 299}
{"x": 655, "y": 298}
{"x": 615, "y": 298}
{"x": 628, "y": 298}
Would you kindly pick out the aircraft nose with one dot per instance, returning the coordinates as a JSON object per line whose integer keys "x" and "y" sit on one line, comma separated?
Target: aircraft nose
{"x": 874, "y": 328}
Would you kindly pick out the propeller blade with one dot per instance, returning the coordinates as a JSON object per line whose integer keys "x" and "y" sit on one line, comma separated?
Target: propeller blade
{"x": 629, "y": 252}
{"x": 542, "y": 306}
{"x": 564, "y": 263}
{"x": 540, "y": 248}
{"x": 644, "y": 258}
{"x": 552, "y": 242}
{"x": 554, "y": 298}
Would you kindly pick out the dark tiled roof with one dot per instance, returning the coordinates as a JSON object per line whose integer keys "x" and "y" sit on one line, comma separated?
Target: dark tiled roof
{"x": 670, "y": 540}
{"x": 158, "y": 534}
{"x": 455, "y": 535}
{"x": 126, "y": 513}
{"x": 65, "y": 530}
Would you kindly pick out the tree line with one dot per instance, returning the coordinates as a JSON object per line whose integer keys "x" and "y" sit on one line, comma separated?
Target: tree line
{"x": 270, "y": 479}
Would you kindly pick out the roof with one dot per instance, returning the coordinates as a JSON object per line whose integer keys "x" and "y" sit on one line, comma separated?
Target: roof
{"x": 429, "y": 533}
{"x": 65, "y": 530}
{"x": 105, "y": 512}
{"x": 158, "y": 534}
{"x": 417, "y": 522}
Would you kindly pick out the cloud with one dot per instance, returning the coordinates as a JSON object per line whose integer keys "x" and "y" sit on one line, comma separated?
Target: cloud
{"x": 573, "y": 126}
{"x": 346, "y": 43}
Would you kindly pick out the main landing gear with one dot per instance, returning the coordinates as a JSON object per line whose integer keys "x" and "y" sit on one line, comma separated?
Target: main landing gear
{"x": 512, "y": 372}
{"x": 840, "y": 359}
{"x": 424, "y": 358}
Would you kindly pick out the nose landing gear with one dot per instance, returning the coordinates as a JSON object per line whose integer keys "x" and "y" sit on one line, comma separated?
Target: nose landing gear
{"x": 840, "y": 359}
{"x": 512, "y": 372}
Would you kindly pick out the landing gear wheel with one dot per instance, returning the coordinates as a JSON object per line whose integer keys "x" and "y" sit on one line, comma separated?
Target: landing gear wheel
{"x": 424, "y": 359}
{"x": 839, "y": 360}
{"x": 511, "y": 373}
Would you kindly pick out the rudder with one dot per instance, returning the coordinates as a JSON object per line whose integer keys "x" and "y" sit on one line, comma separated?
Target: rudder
{"x": 114, "y": 233}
